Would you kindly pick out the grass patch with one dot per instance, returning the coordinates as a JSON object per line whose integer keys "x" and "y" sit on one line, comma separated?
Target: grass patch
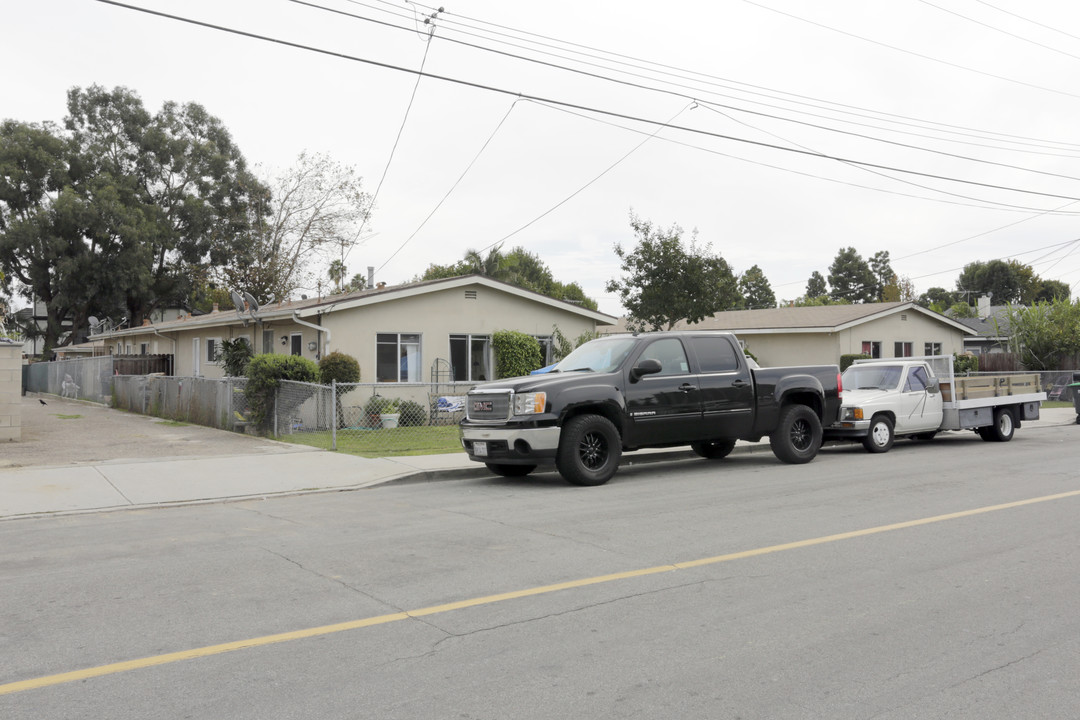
{"x": 431, "y": 440}
{"x": 67, "y": 417}
{"x": 1056, "y": 404}
{"x": 173, "y": 423}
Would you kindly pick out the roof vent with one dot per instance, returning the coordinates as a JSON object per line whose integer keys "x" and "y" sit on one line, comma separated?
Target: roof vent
{"x": 470, "y": 294}
{"x": 903, "y": 317}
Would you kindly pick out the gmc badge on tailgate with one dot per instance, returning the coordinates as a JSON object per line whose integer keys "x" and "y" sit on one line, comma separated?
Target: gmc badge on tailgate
{"x": 482, "y": 406}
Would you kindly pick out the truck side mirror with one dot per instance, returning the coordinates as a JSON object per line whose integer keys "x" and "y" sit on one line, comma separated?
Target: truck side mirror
{"x": 645, "y": 367}
{"x": 934, "y": 387}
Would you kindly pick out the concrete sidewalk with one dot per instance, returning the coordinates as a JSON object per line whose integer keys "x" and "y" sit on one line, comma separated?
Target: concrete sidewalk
{"x": 27, "y": 492}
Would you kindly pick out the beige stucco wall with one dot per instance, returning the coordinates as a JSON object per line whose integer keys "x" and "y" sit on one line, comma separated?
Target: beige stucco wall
{"x": 10, "y": 392}
{"x": 784, "y": 349}
{"x": 912, "y": 327}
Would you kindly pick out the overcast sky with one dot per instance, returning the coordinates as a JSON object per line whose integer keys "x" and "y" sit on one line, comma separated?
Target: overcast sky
{"x": 949, "y": 126}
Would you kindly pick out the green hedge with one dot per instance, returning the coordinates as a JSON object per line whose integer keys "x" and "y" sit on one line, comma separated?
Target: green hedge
{"x": 265, "y": 373}
{"x": 516, "y": 353}
{"x": 846, "y": 360}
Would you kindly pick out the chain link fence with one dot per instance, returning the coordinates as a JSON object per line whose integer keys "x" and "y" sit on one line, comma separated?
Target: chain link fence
{"x": 371, "y": 418}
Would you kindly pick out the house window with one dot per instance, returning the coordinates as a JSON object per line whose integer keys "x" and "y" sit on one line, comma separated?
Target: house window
{"x": 932, "y": 348}
{"x": 297, "y": 346}
{"x": 871, "y": 348}
{"x": 470, "y": 356}
{"x": 902, "y": 349}
{"x": 397, "y": 357}
{"x": 213, "y": 349}
{"x": 143, "y": 348}
{"x": 268, "y": 341}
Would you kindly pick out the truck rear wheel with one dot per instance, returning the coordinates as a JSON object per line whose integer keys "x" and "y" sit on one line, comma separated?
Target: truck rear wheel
{"x": 1003, "y": 428}
{"x": 880, "y": 437}
{"x": 713, "y": 449}
{"x": 797, "y": 437}
{"x": 589, "y": 450}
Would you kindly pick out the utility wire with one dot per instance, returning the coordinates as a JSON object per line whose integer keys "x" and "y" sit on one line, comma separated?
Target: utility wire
{"x": 766, "y": 92}
{"x": 997, "y": 29}
{"x": 552, "y": 101}
{"x": 454, "y": 186}
{"x": 1021, "y": 17}
{"x": 609, "y": 168}
{"x": 911, "y": 52}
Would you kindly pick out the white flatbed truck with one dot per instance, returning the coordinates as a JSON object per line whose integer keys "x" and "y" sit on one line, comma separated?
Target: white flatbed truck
{"x": 918, "y": 397}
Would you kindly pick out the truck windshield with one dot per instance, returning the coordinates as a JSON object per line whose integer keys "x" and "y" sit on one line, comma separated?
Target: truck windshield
{"x": 603, "y": 355}
{"x": 872, "y": 377}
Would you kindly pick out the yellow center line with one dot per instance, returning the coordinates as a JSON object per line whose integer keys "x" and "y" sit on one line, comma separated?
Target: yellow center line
{"x": 209, "y": 650}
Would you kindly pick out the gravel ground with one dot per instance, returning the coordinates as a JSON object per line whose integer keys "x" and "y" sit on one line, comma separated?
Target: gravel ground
{"x": 64, "y": 432}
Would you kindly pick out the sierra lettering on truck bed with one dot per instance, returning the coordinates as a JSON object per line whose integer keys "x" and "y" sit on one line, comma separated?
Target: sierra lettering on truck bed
{"x": 625, "y": 392}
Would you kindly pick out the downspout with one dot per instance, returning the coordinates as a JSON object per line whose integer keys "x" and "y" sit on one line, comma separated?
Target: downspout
{"x": 172, "y": 340}
{"x": 313, "y": 326}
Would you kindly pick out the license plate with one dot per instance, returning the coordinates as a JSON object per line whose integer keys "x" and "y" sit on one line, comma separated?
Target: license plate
{"x": 479, "y": 449}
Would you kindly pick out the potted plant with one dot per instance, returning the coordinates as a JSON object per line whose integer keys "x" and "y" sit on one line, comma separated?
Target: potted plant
{"x": 391, "y": 413}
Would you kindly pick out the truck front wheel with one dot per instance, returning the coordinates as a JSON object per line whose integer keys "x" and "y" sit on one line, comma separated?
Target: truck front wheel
{"x": 589, "y": 450}
{"x": 797, "y": 437}
{"x": 879, "y": 438}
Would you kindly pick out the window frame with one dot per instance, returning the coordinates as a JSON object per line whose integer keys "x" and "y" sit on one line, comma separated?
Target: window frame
{"x": 932, "y": 349}
{"x": 906, "y": 348}
{"x": 398, "y": 344}
{"x": 469, "y": 339}
{"x": 875, "y": 348}
{"x": 212, "y": 356}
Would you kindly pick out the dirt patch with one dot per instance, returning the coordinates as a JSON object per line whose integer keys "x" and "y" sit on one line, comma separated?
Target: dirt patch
{"x": 64, "y": 432}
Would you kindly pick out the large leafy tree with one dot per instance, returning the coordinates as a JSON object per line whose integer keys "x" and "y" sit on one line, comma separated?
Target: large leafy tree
{"x": 755, "y": 290}
{"x": 42, "y": 226}
{"x": 851, "y": 277}
{"x": 937, "y": 299}
{"x": 1051, "y": 290}
{"x": 167, "y": 195}
{"x": 664, "y": 281}
{"x": 1006, "y": 281}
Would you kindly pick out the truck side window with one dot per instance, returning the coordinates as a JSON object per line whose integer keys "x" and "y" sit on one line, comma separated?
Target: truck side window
{"x": 671, "y": 355}
{"x": 715, "y": 354}
{"x": 917, "y": 380}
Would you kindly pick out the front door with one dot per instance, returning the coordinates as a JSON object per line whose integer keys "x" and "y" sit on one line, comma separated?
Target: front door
{"x": 665, "y": 407}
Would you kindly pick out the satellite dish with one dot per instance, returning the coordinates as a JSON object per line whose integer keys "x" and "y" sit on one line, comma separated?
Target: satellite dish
{"x": 254, "y": 306}
{"x": 237, "y": 301}
{"x": 94, "y": 322}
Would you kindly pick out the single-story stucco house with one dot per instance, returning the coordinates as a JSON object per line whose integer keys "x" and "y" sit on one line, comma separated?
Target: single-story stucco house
{"x": 821, "y": 334}
{"x": 398, "y": 334}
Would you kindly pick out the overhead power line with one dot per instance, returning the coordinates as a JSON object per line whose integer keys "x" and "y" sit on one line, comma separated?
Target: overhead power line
{"x": 609, "y": 113}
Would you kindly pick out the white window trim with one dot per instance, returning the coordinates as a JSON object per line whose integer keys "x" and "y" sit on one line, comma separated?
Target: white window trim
{"x": 216, "y": 346}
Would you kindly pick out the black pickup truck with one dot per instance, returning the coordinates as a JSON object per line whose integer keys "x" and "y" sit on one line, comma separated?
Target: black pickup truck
{"x": 626, "y": 392}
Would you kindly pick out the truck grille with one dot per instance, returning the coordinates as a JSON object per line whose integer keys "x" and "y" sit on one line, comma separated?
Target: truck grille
{"x": 488, "y": 406}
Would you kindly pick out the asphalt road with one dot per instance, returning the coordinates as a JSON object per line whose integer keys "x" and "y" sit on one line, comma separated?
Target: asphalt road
{"x": 936, "y": 581}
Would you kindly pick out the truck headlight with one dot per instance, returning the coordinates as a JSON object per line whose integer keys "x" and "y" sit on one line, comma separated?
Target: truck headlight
{"x": 529, "y": 403}
{"x": 851, "y": 413}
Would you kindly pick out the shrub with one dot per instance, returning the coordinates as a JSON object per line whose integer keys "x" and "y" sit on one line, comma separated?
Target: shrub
{"x": 265, "y": 373}
{"x": 413, "y": 414}
{"x": 341, "y": 368}
{"x": 963, "y": 364}
{"x": 379, "y": 405}
{"x": 338, "y": 366}
{"x": 515, "y": 353}
{"x": 846, "y": 360}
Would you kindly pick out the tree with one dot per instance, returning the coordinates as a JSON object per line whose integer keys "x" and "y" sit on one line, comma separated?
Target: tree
{"x": 1045, "y": 333}
{"x": 1051, "y": 290}
{"x": 937, "y": 299}
{"x": 663, "y": 282}
{"x": 336, "y": 272}
{"x": 40, "y": 219}
{"x": 516, "y": 353}
{"x": 164, "y": 194}
{"x": 883, "y": 275}
{"x": 815, "y": 286}
{"x": 1006, "y": 281}
{"x": 314, "y": 209}
{"x": 517, "y": 267}
{"x": 851, "y": 278}
{"x": 358, "y": 282}
{"x": 755, "y": 290}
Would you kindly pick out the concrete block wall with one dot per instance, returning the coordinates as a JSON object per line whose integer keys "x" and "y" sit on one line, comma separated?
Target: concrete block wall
{"x": 10, "y": 395}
